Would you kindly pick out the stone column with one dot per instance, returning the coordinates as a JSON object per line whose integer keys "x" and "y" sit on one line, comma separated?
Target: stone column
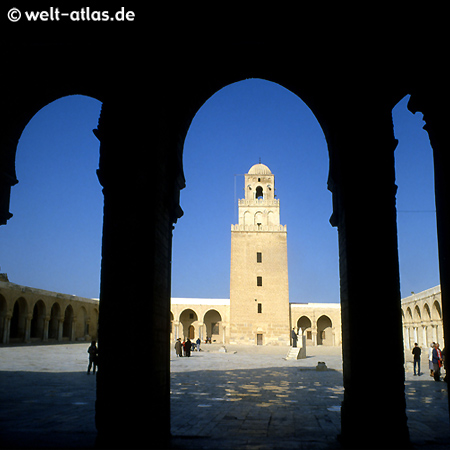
{"x": 73, "y": 329}
{"x": 46, "y": 323}
{"x": 201, "y": 330}
{"x": 362, "y": 179}
{"x": 60, "y": 328}
{"x": 314, "y": 334}
{"x": 176, "y": 326}
{"x": 137, "y": 170}
{"x": 424, "y": 336}
{"x": 28, "y": 320}
{"x": 6, "y": 328}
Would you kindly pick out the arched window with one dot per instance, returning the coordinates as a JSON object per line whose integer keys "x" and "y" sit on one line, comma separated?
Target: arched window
{"x": 259, "y": 192}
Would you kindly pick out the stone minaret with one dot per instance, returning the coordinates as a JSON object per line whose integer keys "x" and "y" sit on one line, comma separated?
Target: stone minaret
{"x": 259, "y": 289}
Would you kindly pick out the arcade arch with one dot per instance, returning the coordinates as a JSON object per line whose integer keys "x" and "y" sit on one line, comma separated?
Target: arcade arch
{"x": 19, "y": 320}
{"x": 325, "y": 331}
{"x": 213, "y": 323}
{"x": 304, "y": 323}
{"x": 38, "y": 321}
{"x": 28, "y": 314}
{"x": 189, "y": 322}
{"x": 68, "y": 323}
{"x": 55, "y": 320}
{"x": 337, "y": 104}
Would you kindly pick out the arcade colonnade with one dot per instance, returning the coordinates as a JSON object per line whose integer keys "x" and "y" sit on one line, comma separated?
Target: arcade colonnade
{"x": 422, "y": 318}
{"x": 144, "y": 120}
{"x": 210, "y": 319}
{"x": 35, "y": 315}
{"x": 200, "y": 318}
{"x": 320, "y": 323}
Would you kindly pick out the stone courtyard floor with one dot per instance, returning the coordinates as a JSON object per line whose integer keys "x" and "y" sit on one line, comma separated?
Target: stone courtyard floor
{"x": 247, "y": 398}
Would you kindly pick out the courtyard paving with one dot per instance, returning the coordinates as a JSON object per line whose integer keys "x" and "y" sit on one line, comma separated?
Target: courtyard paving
{"x": 249, "y": 398}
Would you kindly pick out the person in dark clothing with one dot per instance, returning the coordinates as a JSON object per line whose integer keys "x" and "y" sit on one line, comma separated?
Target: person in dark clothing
{"x": 294, "y": 337}
{"x": 416, "y": 352}
{"x": 93, "y": 356}
{"x": 187, "y": 347}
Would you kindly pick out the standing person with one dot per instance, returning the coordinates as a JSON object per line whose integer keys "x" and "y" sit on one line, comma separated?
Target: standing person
{"x": 430, "y": 358}
{"x": 178, "y": 348}
{"x": 294, "y": 337}
{"x": 187, "y": 347}
{"x": 93, "y": 355}
{"x": 198, "y": 342}
{"x": 437, "y": 362}
{"x": 416, "y": 352}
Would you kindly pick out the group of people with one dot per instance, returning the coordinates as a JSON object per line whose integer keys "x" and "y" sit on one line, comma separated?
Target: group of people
{"x": 436, "y": 358}
{"x": 186, "y": 347}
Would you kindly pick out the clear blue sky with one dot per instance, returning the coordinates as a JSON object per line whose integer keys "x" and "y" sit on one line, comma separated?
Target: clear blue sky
{"x": 54, "y": 239}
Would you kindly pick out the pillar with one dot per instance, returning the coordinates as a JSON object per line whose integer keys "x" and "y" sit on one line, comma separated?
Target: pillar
{"x": 362, "y": 179}
{"x": 137, "y": 175}
{"x": 314, "y": 334}
{"x": 60, "y": 328}
{"x": 28, "y": 319}
{"x": 406, "y": 338}
{"x": 73, "y": 329}
{"x": 201, "y": 330}
{"x": 45, "y": 332}
{"x": 424, "y": 336}
{"x": 6, "y": 328}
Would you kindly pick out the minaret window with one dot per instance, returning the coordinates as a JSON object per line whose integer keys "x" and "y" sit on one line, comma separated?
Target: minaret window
{"x": 259, "y": 192}
{"x": 258, "y": 257}
{"x": 258, "y": 281}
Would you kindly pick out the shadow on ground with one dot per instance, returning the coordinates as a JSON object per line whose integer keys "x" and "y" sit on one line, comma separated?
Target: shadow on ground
{"x": 47, "y": 410}
{"x": 282, "y": 407}
{"x": 267, "y": 408}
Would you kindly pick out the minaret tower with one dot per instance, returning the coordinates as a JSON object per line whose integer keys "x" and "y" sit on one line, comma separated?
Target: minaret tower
{"x": 259, "y": 289}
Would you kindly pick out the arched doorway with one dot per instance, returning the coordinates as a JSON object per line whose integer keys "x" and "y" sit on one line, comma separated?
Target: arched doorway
{"x": 81, "y": 325}
{"x": 304, "y": 328}
{"x": 68, "y": 323}
{"x": 53, "y": 326}
{"x": 38, "y": 320}
{"x": 58, "y": 202}
{"x": 324, "y": 331}
{"x": 189, "y": 321}
{"x": 19, "y": 320}
{"x": 213, "y": 324}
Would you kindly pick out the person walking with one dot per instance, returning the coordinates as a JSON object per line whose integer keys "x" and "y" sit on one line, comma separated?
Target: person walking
{"x": 416, "y": 352}
{"x": 93, "y": 355}
{"x": 187, "y": 347}
{"x": 198, "y": 342}
{"x": 178, "y": 348}
{"x": 437, "y": 362}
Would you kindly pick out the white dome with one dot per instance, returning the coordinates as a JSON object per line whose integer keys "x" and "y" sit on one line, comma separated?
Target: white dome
{"x": 259, "y": 169}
